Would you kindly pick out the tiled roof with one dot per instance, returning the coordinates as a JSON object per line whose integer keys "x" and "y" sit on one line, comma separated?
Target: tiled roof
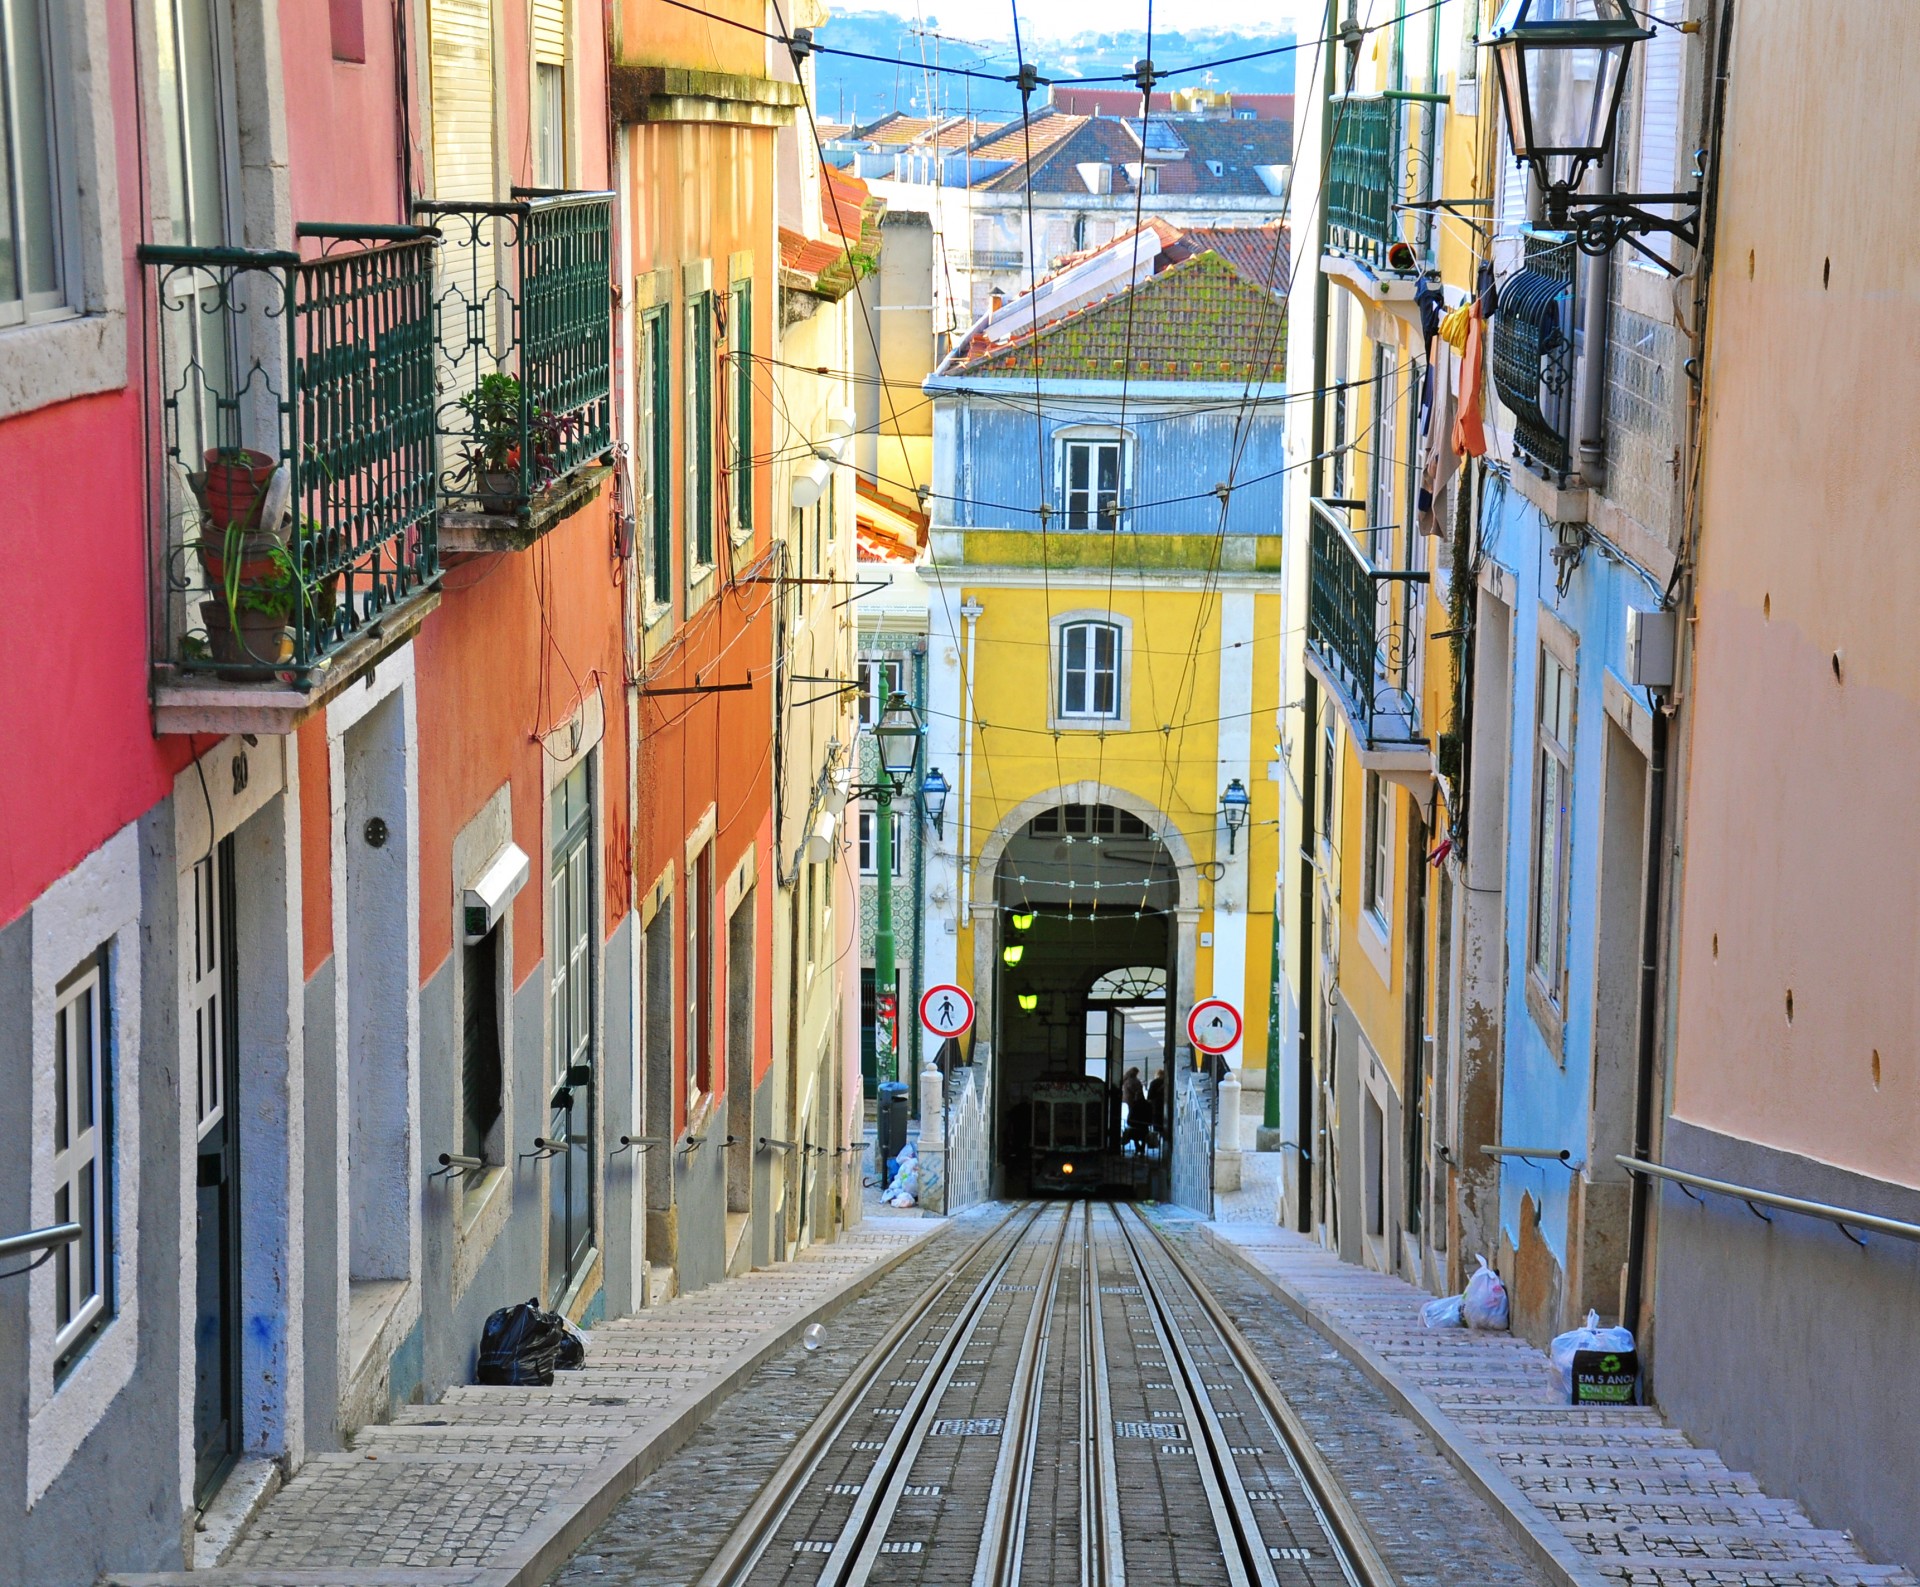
{"x": 1255, "y": 251}
{"x": 828, "y": 265}
{"x": 807, "y": 255}
{"x": 1197, "y": 320}
{"x": 1235, "y": 146}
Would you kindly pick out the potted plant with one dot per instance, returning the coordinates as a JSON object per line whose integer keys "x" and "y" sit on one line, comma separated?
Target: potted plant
{"x": 234, "y": 484}
{"x": 249, "y": 613}
{"x": 491, "y": 460}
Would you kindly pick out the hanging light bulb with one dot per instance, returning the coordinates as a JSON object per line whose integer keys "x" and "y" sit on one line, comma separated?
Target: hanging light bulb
{"x": 1022, "y": 919}
{"x": 1012, "y": 954}
{"x": 1029, "y": 1001}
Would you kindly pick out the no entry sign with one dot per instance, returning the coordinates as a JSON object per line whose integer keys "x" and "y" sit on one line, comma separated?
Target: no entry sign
{"x": 946, "y": 1010}
{"x": 1214, "y": 1025}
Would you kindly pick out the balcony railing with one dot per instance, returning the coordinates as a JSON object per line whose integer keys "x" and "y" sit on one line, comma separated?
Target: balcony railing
{"x": 295, "y": 508}
{"x": 1381, "y": 155}
{"x": 1533, "y": 349}
{"x": 522, "y": 337}
{"x": 1364, "y": 622}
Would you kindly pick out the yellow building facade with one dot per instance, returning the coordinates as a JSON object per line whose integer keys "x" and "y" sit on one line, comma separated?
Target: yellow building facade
{"x": 1105, "y": 688}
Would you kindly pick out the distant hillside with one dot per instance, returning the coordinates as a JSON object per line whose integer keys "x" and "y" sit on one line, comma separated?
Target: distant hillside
{"x": 866, "y": 90}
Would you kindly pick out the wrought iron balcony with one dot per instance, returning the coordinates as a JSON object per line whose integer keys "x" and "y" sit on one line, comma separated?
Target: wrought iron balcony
{"x": 1533, "y": 349}
{"x": 1364, "y": 623}
{"x": 294, "y": 540}
{"x": 522, "y": 337}
{"x": 1381, "y": 155}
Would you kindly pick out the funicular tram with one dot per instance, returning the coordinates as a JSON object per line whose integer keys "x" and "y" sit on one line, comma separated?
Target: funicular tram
{"x": 1100, "y": 1132}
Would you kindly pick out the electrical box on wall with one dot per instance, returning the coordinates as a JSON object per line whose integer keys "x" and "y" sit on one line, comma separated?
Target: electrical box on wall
{"x": 486, "y": 900}
{"x": 1650, "y": 637}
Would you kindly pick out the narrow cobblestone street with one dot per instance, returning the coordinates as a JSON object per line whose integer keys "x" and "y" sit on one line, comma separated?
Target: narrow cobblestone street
{"x": 1047, "y": 1374}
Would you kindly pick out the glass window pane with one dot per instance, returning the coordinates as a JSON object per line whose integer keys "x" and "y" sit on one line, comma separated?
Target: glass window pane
{"x": 61, "y": 1029}
{"x": 1076, "y": 468}
{"x": 33, "y": 153}
{"x": 9, "y": 273}
{"x": 1109, "y": 469}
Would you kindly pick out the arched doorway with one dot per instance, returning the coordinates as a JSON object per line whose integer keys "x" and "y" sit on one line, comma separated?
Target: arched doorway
{"x": 1084, "y": 927}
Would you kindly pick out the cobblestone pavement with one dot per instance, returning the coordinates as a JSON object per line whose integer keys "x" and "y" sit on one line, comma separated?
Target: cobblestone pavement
{"x": 1639, "y": 1504}
{"x": 481, "y": 1487}
{"x": 1431, "y": 1526}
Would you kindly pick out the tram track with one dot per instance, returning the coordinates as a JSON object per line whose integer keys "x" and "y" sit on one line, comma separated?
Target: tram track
{"x": 1062, "y": 1315}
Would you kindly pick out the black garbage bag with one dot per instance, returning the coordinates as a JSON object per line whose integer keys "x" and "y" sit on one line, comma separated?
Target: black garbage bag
{"x": 520, "y": 1346}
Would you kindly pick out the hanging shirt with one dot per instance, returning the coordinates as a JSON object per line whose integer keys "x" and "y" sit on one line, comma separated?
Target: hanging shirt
{"x": 1469, "y": 430}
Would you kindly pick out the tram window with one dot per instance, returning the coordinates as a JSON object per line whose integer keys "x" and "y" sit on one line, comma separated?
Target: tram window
{"x": 1066, "y": 1125}
{"x": 1094, "y": 1116}
{"x": 1042, "y": 1125}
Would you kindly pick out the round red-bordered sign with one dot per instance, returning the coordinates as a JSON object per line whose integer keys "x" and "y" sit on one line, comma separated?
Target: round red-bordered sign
{"x": 946, "y": 1010}
{"x": 1214, "y": 1025}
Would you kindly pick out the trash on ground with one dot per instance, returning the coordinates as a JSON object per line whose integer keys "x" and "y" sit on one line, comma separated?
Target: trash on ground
{"x": 1592, "y": 1365}
{"x": 521, "y": 1346}
{"x": 1484, "y": 1305}
{"x": 1443, "y": 1313}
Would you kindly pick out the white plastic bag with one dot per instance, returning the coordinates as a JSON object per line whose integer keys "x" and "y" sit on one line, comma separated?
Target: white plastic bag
{"x": 1484, "y": 1305}
{"x": 1442, "y": 1313}
{"x": 905, "y": 1189}
{"x": 1592, "y": 1337}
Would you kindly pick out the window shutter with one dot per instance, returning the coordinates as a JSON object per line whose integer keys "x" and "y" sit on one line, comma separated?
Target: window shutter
{"x": 549, "y": 26}
{"x": 460, "y": 46}
{"x": 1657, "y": 156}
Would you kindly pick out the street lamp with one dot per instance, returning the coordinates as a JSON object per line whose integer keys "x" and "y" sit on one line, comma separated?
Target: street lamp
{"x": 1562, "y": 66}
{"x": 1235, "y": 801}
{"x": 897, "y": 734}
{"x": 933, "y": 799}
{"x": 1013, "y": 953}
{"x": 1022, "y": 919}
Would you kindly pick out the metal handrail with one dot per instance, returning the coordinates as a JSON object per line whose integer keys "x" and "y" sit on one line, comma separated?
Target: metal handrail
{"x": 1755, "y": 1199}
{"x": 48, "y": 1239}
{"x": 1551, "y": 1154}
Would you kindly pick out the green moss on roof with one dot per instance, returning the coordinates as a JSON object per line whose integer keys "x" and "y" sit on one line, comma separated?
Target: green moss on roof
{"x": 1198, "y": 320}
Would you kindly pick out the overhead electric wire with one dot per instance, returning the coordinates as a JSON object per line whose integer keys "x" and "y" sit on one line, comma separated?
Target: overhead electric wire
{"x": 807, "y": 46}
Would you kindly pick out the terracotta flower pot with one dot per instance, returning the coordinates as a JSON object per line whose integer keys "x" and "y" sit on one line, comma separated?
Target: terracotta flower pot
{"x": 235, "y": 478}
{"x": 253, "y": 550}
{"x": 259, "y": 640}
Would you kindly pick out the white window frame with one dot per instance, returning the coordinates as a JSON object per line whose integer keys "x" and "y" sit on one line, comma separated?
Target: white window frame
{"x": 1091, "y": 438}
{"x": 1376, "y": 882}
{"x": 78, "y": 347}
{"x": 1058, "y": 713}
{"x": 83, "y": 1159}
{"x": 93, "y": 910}
{"x": 1549, "y": 890}
{"x": 869, "y": 865}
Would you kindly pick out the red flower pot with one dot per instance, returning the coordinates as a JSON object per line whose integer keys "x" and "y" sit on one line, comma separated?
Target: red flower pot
{"x": 235, "y": 478}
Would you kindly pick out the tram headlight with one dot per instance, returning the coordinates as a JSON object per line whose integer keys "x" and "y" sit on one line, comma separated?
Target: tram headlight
{"x": 1066, "y": 1168}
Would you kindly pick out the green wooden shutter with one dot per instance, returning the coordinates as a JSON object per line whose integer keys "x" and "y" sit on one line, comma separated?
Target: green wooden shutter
{"x": 700, "y": 449}
{"x": 659, "y": 399}
{"x": 740, "y": 326}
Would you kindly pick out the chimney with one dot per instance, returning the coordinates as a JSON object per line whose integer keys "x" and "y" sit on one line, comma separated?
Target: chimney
{"x": 996, "y": 300}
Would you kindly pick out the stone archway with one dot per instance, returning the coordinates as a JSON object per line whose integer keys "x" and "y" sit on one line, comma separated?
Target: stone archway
{"x": 985, "y": 907}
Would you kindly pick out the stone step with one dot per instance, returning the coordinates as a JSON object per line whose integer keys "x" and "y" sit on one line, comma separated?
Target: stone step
{"x": 1578, "y": 1457}
{"x": 1537, "y": 1479}
{"x": 1645, "y": 1571}
{"x": 1575, "y": 1511}
{"x": 1769, "y": 1544}
{"x": 1551, "y": 1435}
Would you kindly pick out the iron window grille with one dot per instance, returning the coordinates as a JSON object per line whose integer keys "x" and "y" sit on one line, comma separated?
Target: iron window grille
{"x": 318, "y": 370}
{"x": 522, "y": 334}
{"x": 1364, "y": 620}
{"x": 1534, "y": 347}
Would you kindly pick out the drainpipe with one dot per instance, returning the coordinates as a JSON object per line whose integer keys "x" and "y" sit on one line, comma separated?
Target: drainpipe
{"x": 1647, "y": 1042}
{"x": 1592, "y": 421}
{"x": 971, "y": 610}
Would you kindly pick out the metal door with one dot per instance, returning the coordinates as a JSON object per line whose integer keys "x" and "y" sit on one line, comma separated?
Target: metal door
{"x": 1195, "y": 1101}
{"x": 216, "y": 1333}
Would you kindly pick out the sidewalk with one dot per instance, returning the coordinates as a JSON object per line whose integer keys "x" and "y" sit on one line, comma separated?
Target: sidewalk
{"x": 494, "y": 1487}
{"x": 1602, "y": 1498}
